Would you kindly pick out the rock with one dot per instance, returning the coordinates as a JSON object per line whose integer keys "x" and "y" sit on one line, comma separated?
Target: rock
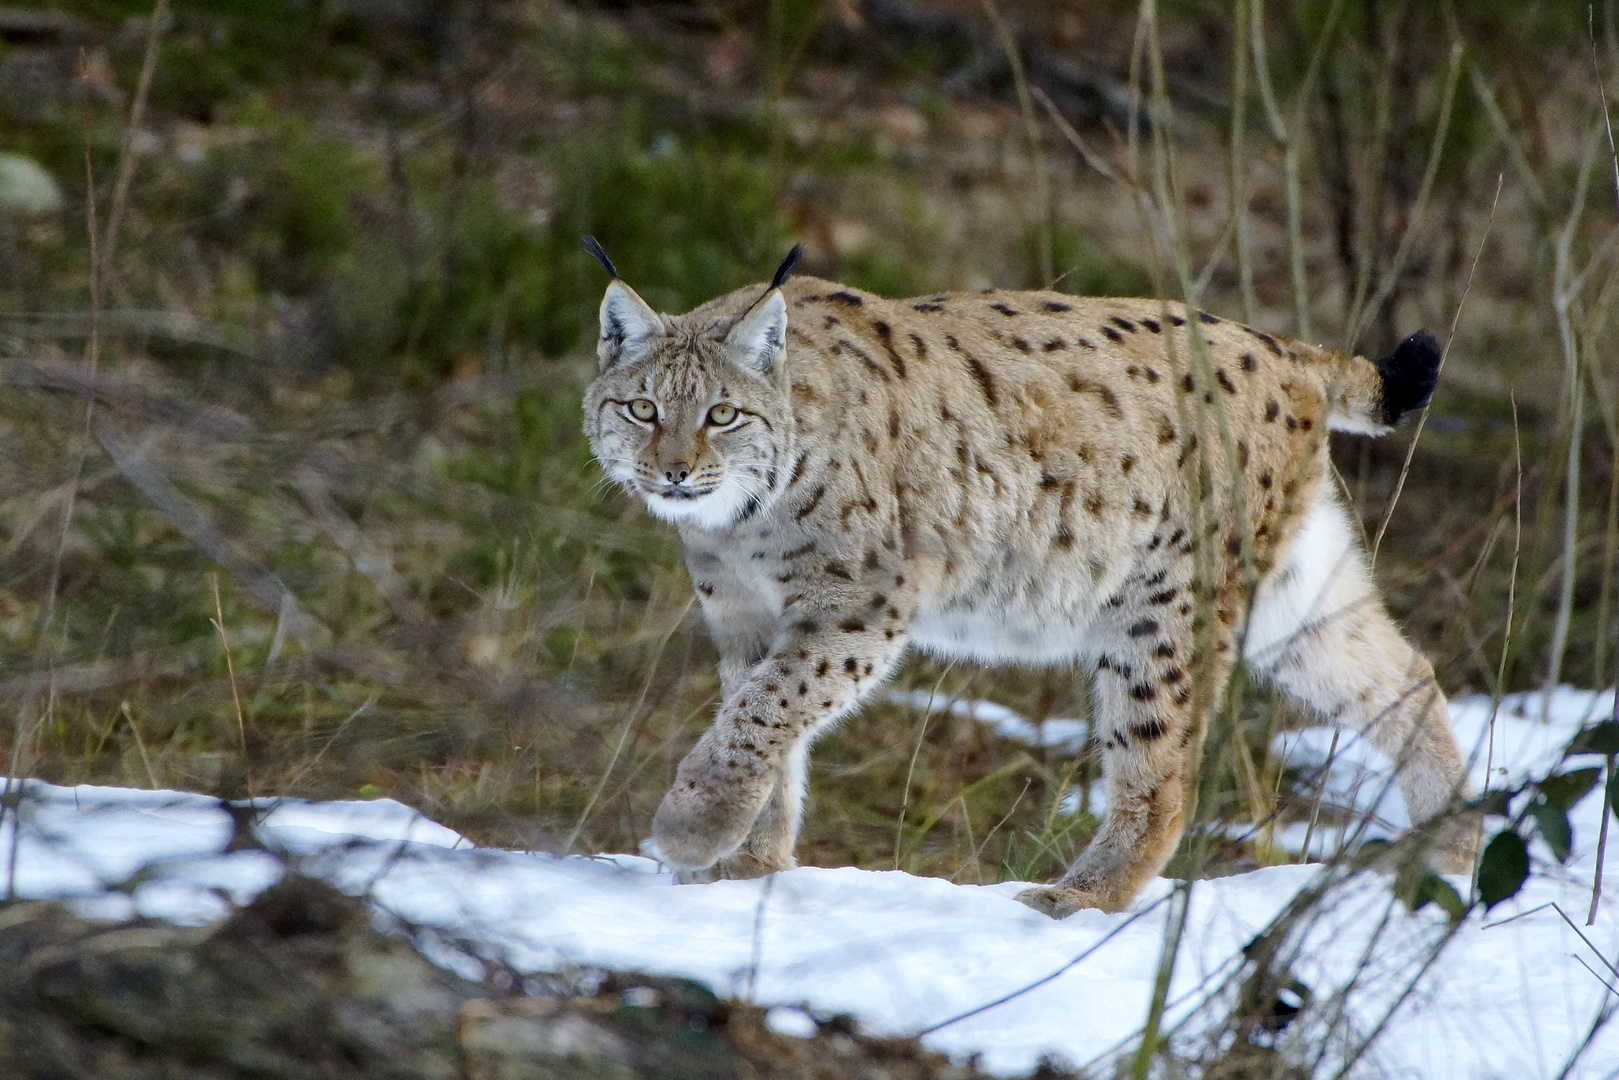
{"x": 26, "y": 189}
{"x": 300, "y": 984}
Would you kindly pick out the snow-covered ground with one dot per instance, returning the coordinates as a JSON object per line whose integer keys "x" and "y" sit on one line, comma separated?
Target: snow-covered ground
{"x": 1507, "y": 997}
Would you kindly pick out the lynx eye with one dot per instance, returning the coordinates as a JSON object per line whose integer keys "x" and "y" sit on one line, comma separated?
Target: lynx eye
{"x": 643, "y": 410}
{"x": 721, "y": 414}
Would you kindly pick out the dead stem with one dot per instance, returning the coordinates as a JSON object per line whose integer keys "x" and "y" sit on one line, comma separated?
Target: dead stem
{"x": 1422, "y": 419}
{"x": 1031, "y": 131}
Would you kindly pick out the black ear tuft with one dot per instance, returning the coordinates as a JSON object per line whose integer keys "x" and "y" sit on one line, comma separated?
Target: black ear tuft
{"x": 595, "y": 248}
{"x": 1409, "y": 374}
{"x": 786, "y": 267}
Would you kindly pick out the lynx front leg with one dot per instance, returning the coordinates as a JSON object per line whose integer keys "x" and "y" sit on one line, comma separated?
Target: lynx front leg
{"x": 769, "y": 846}
{"x": 830, "y": 654}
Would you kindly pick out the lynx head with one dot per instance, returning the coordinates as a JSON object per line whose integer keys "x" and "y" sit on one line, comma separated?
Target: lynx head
{"x": 692, "y": 413}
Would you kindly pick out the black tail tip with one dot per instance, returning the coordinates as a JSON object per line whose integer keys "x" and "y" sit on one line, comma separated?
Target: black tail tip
{"x": 1409, "y": 375}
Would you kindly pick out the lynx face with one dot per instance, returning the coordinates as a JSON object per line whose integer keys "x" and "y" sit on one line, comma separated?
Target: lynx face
{"x": 691, "y": 415}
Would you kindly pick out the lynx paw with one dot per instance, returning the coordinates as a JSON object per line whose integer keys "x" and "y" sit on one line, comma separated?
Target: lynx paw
{"x": 1059, "y": 902}
{"x": 693, "y": 829}
{"x": 744, "y": 864}
{"x": 1457, "y": 847}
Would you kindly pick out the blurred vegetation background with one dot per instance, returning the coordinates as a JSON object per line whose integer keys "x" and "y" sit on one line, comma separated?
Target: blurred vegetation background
{"x": 294, "y": 323}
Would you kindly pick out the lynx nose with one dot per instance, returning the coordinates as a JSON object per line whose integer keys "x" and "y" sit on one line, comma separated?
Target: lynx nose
{"x": 677, "y": 473}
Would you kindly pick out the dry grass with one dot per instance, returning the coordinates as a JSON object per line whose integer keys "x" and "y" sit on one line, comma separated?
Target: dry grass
{"x": 342, "y": 346}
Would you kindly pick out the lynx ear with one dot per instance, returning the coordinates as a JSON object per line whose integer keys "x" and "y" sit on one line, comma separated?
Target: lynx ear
{"x": 627, "y": 325}
{"x": 758, "y": 340}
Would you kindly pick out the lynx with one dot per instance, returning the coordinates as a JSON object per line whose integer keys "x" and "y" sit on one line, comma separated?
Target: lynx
{"x": 1007, "y": 477}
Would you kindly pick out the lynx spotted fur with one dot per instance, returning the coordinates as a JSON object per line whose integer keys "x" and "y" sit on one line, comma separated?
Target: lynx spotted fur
{"x": 1023, "y": 477}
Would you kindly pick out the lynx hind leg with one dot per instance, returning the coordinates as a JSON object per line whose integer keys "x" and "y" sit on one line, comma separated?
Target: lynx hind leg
{"x": 1144, "y": 702}
{"x": 1320, "y": 632}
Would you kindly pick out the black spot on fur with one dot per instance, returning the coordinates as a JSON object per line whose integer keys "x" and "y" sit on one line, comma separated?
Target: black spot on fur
{"x": 1148, "y": 730}
{"x": 927, "y": 307}
{"x": 1143, "y": 692}
{"x": 1054, "y": 344}
{"x": 1110, "y": 401}
{"x": 852, "y": 626}
{"x": 1112, "y": 334}
{"x": 1272, "y": 410}
{"x": 1249, "y": 363}
{"x": 985, "y": 382}
{"x": 809, "y": 507}
{"x": 1123, "y": 324}
{"x": 1205, "y": 317}
{"x": 886, "y": 334}
{"x": 1004, "y": 310}
{"x": 846, "y": 298}
{"x": 1142, "y": 628}
{"x": 1055, "y": 305}
{"x": 1152, "y": 324}
{"x": 1176, "y": 320}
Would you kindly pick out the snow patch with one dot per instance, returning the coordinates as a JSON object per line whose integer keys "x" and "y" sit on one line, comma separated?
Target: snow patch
{"x": 1508, "y": 996}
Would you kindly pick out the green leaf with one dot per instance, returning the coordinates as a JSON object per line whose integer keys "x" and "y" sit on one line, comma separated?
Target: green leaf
{"x": 1419, "y": 886}
{"x": 1502, "y": 868}
{"x": 1566, "y": 789}
{"x": 1601, "y": 739}
{"x": 1552, "y": 821}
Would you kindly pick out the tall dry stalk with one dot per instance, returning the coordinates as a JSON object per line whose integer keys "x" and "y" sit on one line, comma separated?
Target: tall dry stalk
{"x": 1031, "y": 132}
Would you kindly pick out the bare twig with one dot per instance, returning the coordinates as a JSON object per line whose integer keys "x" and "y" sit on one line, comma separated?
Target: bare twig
{"x": 230, "y": 666}
{"x": 258, "y": 581}
{"x": 751, "y": 977}
{"x": 1031, "y": 131}
{"x": 1362, "y": 317}
{"x": 629, "y": 726}
{"x": 1320, "y": 793}
{"x": 1512, "y": 600}
{"x": 1036, "y": 984}
{"x": 127, "y": 152}
{"x": 1405, "y": 468}
{"x": 921, "y": 733}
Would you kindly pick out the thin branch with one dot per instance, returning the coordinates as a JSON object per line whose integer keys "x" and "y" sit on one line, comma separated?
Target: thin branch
{"x": 1405, "y": 468}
